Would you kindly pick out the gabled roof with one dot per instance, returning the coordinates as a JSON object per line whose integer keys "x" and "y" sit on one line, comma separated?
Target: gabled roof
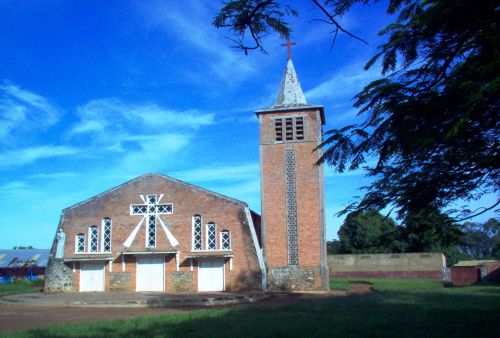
{"x": 17, "y": 258}
{"x": 150, "y": 175}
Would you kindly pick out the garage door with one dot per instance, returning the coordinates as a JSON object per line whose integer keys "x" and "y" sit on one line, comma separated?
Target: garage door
{"x": 150, "y": 275}
{"x": 211, "y": 274}
{"x": 91, "y": 276}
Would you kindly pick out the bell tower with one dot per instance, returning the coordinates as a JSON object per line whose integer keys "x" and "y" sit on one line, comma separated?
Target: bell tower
{"x": 292, "y": 190}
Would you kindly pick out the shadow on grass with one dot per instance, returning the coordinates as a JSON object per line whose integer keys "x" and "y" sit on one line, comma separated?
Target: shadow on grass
{"x": 383, "y": 314}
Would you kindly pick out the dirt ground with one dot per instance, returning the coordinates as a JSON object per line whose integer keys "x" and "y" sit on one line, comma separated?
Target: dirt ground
{"x": 15, "y": 317}
{"x": 19, "y": 317}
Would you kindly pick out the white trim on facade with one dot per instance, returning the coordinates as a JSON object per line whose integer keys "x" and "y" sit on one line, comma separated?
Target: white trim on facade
{"x": 77, "y": 243}
{"x": 209, "y": 233}
{"x": 103, "y": 234}
{"x": 258, "y": 250}
{"x": 92, "y": 239}
{"x": 222, "y": 241}
{"x": 193, "y": 232}
{"x": 128, "y": 242}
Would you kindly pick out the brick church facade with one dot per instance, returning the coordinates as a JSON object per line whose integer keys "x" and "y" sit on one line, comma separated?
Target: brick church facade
{"x": 156, "y": 233}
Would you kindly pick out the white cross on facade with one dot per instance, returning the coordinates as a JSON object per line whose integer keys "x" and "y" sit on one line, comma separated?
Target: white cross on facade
{"x": 151, "y": 211}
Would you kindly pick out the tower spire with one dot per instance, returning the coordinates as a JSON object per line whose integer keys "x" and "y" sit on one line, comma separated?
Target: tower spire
{"x": 290, "y": 92}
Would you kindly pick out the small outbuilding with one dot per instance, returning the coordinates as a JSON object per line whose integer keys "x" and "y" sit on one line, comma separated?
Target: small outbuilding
{"x": 23, "y": 263}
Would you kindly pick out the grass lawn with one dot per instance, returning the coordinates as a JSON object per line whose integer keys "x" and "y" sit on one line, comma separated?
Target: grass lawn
{"x": 408, "y": 308}
{"x": 20, "y": 287}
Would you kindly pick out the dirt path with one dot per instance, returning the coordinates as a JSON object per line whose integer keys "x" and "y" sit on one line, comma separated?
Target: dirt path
{"x": 15, "y": 317}
{"x": 18, "y": 317}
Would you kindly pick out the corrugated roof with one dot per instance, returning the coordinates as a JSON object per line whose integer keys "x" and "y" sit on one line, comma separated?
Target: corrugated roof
{"x": 475, "y": 262}
{"x": 16, "y": 258}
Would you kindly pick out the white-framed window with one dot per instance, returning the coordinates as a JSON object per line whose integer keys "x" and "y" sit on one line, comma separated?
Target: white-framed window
{"x": 225, "y": 240}
{"x": 93, "y": 238}
{"x": 151, "y": 235}
{"x": 197, "y": 233}
{"x": 80, "y": 243}
{"x": 211, "y": 236}
{"x": 106, "y": 235}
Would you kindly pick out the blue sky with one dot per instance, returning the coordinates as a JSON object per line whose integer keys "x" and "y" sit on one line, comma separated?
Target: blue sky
{"x": 94, "y": 93}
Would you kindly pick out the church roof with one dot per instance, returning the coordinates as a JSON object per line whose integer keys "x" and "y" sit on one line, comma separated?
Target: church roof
{"x": 157, "y": 175}
{"x": 290, "y": 92}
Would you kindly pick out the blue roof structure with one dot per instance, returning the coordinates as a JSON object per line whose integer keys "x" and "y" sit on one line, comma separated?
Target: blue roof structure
{"x": 17, "y": 258}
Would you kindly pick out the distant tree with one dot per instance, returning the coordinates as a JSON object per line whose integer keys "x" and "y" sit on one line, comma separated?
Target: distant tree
{"x": 481, "y": 241}
{"x": 432, "y": 231}
{"x": 432, "y": 122}
{"x": 333, "y": 247}
{"x": 23, "y": 247}
{"x": 369, "y": 232}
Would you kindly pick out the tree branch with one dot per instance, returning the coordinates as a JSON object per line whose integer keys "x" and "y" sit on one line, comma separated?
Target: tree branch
{"x": 479, "y": 213}
{"x": 335, "y": 22}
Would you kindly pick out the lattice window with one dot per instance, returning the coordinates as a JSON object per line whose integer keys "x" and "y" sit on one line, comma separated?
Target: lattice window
{"x": 278, "y": 129}
{"x": 291, "y": 204}
{"x": 289, "y": 129}
{"x": 106, "y": 235}
{"x": 151, "y": 238}
{"x": 93, "y": 238}
{"x": 165, "y": 208}
{"x": 80, "y": 243}
{"x": 197, "y": 233}
{"x": 151, "y": 199}
{"x": 225, "y": 240}
{"x": 211, "y": 235}
{"x": 299, "y": 128}
{"x": 293, "y": 129}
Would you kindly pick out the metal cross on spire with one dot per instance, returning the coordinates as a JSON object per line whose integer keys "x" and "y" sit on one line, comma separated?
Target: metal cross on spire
{"x": 289, "y": 44}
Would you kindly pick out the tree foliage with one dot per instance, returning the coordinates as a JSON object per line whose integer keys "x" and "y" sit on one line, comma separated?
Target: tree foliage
{"x": 426, "y": 231}
{"x": 369, "y": 232}
{"x": 481, "y": 240}
{"x": 431, "y": 122}
{"x": 430, "y": 231}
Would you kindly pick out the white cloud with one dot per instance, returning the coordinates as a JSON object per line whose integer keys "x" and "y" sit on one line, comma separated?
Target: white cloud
{"x": 22, "y": 111}
{"x": 246, "y": 171}
{"x": 105, "y": 117}
{"x": 14, "y": 186}
{"x": 154, "y": 152}
{"x": 344, "y": 83}
{"x": 55, "y": 176}
{"x": 191, "y": 21}
{"x": 30, "y": 155}
{"x": 140, "y": 130}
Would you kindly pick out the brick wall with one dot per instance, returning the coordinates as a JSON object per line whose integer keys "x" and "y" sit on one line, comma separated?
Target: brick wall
{"x": 465, "y": 275}
{"x": 308, "y": 197}
{"x": 187, "y": 200}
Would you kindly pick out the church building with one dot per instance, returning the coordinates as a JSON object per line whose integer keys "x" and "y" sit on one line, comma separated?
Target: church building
{"x": 156, "y": 233}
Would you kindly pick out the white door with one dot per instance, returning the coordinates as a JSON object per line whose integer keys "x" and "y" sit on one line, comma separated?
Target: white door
{"x": 91, "y": 276}
{"x": 150, "y": 274}
{"x": 211, "y": 274}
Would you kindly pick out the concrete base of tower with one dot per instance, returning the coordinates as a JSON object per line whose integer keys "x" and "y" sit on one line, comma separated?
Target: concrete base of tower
{"x": 325, "y": 278}
{"x": 296, "y": 278}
